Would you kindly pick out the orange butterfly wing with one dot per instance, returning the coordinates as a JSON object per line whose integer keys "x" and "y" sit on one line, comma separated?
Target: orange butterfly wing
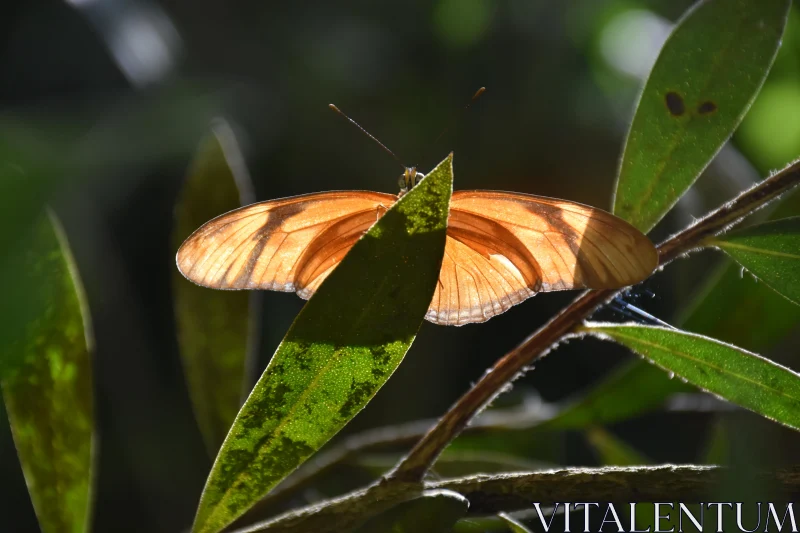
{"x": 290, "y": 244}
{"x": 503, "y": 248}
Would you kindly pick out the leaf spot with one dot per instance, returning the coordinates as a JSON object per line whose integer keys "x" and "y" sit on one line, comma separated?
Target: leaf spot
{"x": 675, "y": 103}
{"x": 707, "y": 107}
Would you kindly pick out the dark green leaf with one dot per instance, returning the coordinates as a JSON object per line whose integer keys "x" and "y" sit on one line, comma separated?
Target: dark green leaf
{"x": 457, "y": 463}
{"x": 740, "y": 310}
{"x": 43, "y": 153}
{"x": 513, "y": 525}
{"x": 630, "y": 390}
{"x": 434, "y": 512}
{"x": 212, "y": 325}
{"x": 717, "y": 449}
{"x": 341, "y": 349}
{"x": 771, "y": 251}
{"x": 613, "y": 451}
{"x": 48, "y": 394}
{"x": 481, "y": 524}
{"x": 704, "y": 80}
{"x": 739, "y": 376}
{"x": 525, "y": 442}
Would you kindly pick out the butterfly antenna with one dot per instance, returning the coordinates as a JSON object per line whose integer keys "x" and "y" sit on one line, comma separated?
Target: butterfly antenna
{"x": 458, "y": 115}
{"x": 368, "y": 134}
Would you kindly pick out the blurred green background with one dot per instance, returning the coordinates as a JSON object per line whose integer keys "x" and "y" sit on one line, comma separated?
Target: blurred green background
{"x": 103, "y": 102}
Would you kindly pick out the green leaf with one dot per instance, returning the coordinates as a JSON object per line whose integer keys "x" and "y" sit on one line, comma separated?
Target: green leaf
{"x": 48, "y": 395}
{"x": 630, "y": 390}
{"x": 704, "y": 80}
{"x": 343, "y": 346}
{"x": 434, "y": 512}
{"x": 771, "y": 251}
{"x": 513, "y": 525}
{"x": 44, "y": 153}
{"x": 718, "y": 448}
{"x": 212, "y": 326}
{"x": 724, "y": 309}
{"x": 456, "y": 463}
{"x": 613, "y": 451}
{"x": 740, "y": 310}
{"x": 736, "y": 375}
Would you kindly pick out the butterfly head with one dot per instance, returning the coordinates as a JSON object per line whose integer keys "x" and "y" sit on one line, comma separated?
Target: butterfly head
{"x": 409, "y": 179}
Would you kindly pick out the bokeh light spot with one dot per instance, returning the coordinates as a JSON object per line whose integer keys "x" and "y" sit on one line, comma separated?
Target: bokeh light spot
{"x": 770, "y": 132}
{"x": 630, "y": 42}
{"x": 461, "y": 23}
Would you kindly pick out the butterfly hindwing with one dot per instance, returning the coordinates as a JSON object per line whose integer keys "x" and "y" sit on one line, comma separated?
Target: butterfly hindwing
{"x": 503, "y": 248}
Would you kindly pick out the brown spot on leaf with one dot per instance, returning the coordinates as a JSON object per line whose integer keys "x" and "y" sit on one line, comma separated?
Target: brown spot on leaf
{"x": 675, "y": 103}
{"x": 707, "y": 107}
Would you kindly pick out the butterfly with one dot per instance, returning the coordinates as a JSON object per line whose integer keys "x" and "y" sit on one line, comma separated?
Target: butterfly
{"x": 501, "y": 247}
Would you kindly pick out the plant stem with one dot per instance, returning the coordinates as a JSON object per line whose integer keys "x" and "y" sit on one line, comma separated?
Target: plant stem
{"x": 417, "y": 463}
{"x": 489, "y": 494}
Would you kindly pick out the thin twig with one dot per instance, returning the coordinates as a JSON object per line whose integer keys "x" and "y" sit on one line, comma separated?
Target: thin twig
{"x": 414, "y": 466}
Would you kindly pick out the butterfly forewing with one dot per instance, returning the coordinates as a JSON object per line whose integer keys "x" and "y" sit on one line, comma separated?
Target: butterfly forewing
{"x": 280, "y": 244}
{"x": 501, "y": 248}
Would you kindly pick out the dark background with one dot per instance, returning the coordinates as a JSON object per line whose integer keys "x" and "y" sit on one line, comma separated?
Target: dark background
{"x": 134, "y": 85}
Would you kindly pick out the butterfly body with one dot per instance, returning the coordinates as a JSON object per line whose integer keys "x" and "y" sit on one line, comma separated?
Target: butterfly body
{"x": 501, "y": 248}
{"x": 408, "y": 179}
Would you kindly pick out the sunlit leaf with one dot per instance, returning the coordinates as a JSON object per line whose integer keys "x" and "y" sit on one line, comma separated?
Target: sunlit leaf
{"x": 705, "y": 78}
{"x": 741, "y": 377}
{"x": 435, "y": 511}
{"x": 212, "y": 326}
{"x": 771, "y": 251}
{"x": 514, "y": 526}
{"x": 343, "y": 346}
{"x": 48, "y": 394}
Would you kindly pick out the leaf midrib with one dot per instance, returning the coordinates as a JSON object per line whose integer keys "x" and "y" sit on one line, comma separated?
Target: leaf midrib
{"x": 710, "y": 365}
{"x": 760, "y": 251}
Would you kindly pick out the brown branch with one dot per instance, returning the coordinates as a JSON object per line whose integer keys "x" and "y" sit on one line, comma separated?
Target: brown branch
{"x": 414, "y": 466}
{"x": 511, "y": 492}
